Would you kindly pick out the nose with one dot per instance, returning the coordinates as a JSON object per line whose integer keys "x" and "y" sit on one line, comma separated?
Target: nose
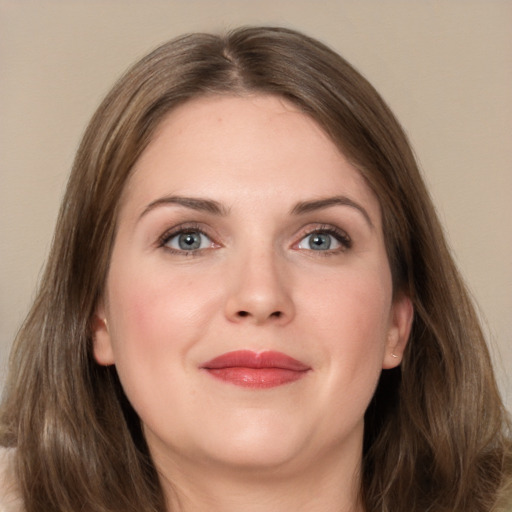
{"x": 259, "y": 290}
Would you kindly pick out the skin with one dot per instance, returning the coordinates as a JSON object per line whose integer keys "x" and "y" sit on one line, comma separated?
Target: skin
{"x": 255, "y": 283}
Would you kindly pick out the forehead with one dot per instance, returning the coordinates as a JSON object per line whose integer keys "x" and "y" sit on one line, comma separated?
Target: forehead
{"x": 235, "y": 147}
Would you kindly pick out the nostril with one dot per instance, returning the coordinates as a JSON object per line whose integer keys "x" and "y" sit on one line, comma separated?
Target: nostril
{"x": 275, "y": 314}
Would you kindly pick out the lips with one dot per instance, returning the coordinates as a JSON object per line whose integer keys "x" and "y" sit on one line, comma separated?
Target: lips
{"x": 256, "y": 370}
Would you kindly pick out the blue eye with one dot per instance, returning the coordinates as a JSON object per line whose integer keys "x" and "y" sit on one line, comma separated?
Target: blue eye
{"x": 320, "y": 241}
{"x": 190, "y": 240}
{"x": 325, "y": 240}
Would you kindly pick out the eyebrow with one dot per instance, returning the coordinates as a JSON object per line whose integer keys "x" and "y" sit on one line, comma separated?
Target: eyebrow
{"x": 320, "y": 204}
{"x": 202, "y": 205}
{"x": 216, "y": 208}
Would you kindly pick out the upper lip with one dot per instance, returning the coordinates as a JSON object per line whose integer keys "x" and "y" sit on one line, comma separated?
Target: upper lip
{"x": 257, "y": 360}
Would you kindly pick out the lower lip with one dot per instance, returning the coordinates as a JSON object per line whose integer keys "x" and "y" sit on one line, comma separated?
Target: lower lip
{"x": 258, "y": 378}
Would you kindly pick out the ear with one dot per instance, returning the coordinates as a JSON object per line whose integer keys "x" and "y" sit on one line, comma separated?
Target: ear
{"x": 101, "y": 340}
{"x": 402, "y": 314}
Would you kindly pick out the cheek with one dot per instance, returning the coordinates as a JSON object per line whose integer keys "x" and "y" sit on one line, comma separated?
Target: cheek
{"x": 154, "y": 297}
{"x": 356, "y": 304}
{"x": 347, "y": 318}
{"x": 350, "y": 313}
{"x": 155, "y": 314}
{"x": 156, "y": 319}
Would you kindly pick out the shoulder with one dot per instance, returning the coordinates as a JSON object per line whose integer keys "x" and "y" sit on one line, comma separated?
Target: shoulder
{"x": 10, "y": 500}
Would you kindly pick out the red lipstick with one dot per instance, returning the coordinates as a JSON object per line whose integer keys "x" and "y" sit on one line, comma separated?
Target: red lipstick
{"x": 256, "y": 370}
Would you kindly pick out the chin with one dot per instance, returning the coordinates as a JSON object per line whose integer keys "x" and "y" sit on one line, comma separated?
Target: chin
{"x": 258, "y": 457}
{"x": 256, "y": 445}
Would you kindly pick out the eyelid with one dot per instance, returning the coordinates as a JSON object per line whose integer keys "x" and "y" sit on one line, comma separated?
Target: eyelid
{"x": 185, "y": 227}
{"x": 339, "y": 234}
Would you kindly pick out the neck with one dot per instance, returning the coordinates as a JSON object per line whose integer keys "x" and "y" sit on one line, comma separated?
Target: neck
{"x": 331, "y": 484}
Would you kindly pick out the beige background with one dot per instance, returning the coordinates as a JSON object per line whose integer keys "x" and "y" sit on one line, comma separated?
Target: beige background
{"x": 445, "y": 67}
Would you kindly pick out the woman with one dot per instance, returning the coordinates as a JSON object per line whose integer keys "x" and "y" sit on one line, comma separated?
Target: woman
{"x": 250, "y": 305}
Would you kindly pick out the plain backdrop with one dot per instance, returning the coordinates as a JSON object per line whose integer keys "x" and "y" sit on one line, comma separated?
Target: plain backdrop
{"x": 445, "y": 68}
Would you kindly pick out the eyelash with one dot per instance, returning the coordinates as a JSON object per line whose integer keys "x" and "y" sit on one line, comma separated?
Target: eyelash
{"x": 339, "y": 235}
{"x": 182, "y": 229}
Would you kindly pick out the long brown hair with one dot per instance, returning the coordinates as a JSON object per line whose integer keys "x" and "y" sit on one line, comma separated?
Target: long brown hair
{"x": 437, "y": 436}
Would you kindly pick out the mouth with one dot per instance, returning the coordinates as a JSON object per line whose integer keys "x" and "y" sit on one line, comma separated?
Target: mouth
{"x": 256, "y": 369}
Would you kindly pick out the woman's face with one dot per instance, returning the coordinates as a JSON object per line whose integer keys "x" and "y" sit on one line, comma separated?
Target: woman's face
{"x": 249, "y": 297}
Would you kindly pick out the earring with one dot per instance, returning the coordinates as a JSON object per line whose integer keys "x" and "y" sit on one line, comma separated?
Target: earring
{"x": 394, "y": 355}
